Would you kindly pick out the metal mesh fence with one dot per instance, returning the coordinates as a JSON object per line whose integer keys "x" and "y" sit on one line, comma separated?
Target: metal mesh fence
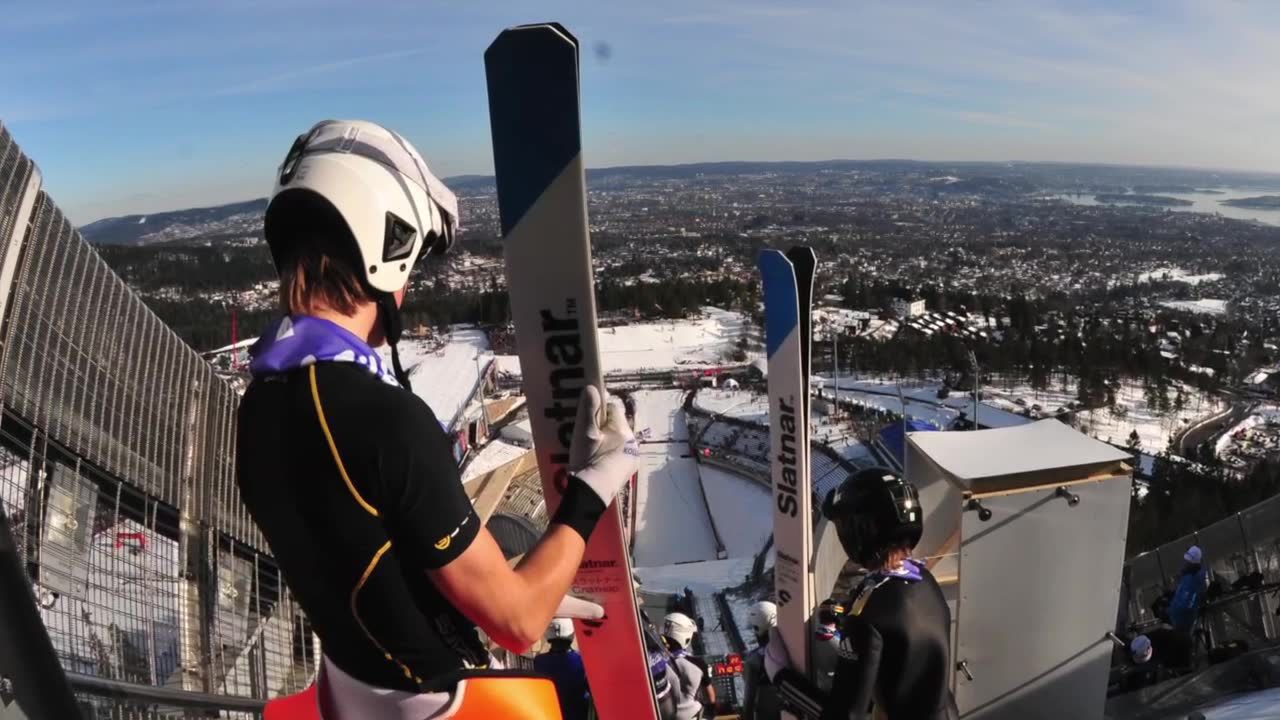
{"x": 1242, "y": 555}
{"x": 108, "y": 564}
{"x": 117, "y": 475}
{"x": 100, "y": 708}
{"x": 15, "y": 173}
{"x": 84, "y": 359}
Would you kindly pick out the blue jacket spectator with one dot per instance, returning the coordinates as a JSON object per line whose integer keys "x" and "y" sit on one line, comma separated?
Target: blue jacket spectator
{"x": 1188, "y": 597}
{"x": 564, "y": 666}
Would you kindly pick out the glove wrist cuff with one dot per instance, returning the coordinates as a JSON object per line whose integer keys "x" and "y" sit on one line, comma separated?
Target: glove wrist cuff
{"x": 580, "y": 507}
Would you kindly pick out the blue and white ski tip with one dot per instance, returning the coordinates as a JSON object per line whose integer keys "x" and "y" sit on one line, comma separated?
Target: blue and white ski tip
{"x": 532, "y": 74}
{"x": 781, "y": 300}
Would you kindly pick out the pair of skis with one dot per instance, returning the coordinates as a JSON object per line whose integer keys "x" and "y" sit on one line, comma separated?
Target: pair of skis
{"x": 533, "y": 84}
{"x": 532, "y": 74}
{"x": 788, "y": 304}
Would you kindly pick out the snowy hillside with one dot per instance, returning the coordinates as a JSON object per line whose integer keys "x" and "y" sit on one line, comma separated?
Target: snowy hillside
{"x": 242, "y": 218}
{"x": 444, "y": 371}
{"x": 742, "y": 510}
{"x": 708, "y": 341}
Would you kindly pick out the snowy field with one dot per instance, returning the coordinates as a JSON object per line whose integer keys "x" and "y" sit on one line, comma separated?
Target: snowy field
{"x": 671, "y": 518}
{"x": 493, "y": 455}
{"x": 702, "y": 342}
{"x": 743, "y": 512}
{"x": 704, "y": 578}
{"x": 1003, "y": 402}
{"x": 1010, "y": 396}
{"x": 744, "y": 405}
{"x": 1154, "y": 429}
{"x": 1203, "y": 306}
{"x": 446, "y": 375}
{"x": 1175, "y": 274}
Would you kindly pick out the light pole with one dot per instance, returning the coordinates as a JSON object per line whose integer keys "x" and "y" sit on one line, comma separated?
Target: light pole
{"x": 973, "y": 367}
{"x": 835, "y": 362}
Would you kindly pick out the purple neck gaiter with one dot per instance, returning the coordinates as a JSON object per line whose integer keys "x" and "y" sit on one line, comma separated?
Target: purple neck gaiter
{"x": 297, "y": 341}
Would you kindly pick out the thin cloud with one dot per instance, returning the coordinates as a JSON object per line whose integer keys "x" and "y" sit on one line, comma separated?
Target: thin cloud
{"x": 732, "y": 13}
{"x": 979, "y": 117}
{"x": 277, "y": 80}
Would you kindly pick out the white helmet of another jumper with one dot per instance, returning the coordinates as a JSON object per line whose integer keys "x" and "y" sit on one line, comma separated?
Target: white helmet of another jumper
{"x": 560, "y": 629}
{"x": 761, "y": 617}
{"x": 680, "y": 628}
{"x": 377, "y": 184}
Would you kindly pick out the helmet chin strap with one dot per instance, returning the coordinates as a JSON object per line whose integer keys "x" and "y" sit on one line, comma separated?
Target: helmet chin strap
{"x": 392, "y": 327}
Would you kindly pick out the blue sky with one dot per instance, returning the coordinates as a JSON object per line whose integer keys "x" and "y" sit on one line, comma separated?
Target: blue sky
{"x": 132, "y": 106}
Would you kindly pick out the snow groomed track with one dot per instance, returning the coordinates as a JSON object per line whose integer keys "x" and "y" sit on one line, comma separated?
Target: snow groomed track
{"x": 673, "y": 521}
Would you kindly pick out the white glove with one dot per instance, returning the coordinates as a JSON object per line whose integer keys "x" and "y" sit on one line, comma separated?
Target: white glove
{"x": 579, "y": 609}
{"x": 604, "y": 453}
{"x": 776, "y": 656}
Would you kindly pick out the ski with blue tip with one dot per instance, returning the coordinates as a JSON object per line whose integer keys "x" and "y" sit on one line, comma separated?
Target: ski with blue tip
{"x": 532, "y": 74}
{"x": 787, "y": 301}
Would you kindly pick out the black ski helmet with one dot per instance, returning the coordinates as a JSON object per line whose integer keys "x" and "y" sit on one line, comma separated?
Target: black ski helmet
{"x": 874, "y": 510}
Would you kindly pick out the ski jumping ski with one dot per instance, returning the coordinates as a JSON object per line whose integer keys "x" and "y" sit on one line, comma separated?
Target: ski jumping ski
{"x": 532, "y": 74}
{"x": 787, "y": 342}
{"x": 805, "y": 263}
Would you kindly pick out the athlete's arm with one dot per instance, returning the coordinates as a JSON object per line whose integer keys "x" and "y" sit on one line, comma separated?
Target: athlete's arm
{"x": 857, "y": 665}
{"x": 852, "y": 687}
{"x": 512, "y": 606}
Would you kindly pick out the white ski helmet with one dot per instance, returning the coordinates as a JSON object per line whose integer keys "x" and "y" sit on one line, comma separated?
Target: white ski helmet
{"x": 377, "y": 184}
{"x": 761, "y": 617}
{"x": 372, "y": 181}
{"x": 560, "y": 629}
{"x": 680, "y": 628}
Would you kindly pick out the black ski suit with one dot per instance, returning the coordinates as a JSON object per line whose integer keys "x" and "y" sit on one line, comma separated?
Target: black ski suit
{"x": 894, "y": 652}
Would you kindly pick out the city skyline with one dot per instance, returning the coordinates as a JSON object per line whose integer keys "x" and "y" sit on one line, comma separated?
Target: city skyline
{"x": 144, "y": 107}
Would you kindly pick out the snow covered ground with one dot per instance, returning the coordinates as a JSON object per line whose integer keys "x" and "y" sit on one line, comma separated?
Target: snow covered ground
{"x": 493, "y": 455}
{"x": 675, "y": 548}
{"x": 742, "y": 510}
{"x": 703, "y": 342}
{"x": 1015, "y": 396}
{"x": 445, "y": 374}
{"x": 671, "y": 518}
{"x": 703, "y": 578}
{"x": 1206, "y": 306}
{"x": 1175, "y": 274}
{"x": 745, "y": 405}
{"x": 1154, "y": 429}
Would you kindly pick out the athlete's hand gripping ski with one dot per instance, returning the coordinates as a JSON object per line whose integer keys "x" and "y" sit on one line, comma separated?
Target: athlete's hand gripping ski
{"x": 604, "y": 453}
